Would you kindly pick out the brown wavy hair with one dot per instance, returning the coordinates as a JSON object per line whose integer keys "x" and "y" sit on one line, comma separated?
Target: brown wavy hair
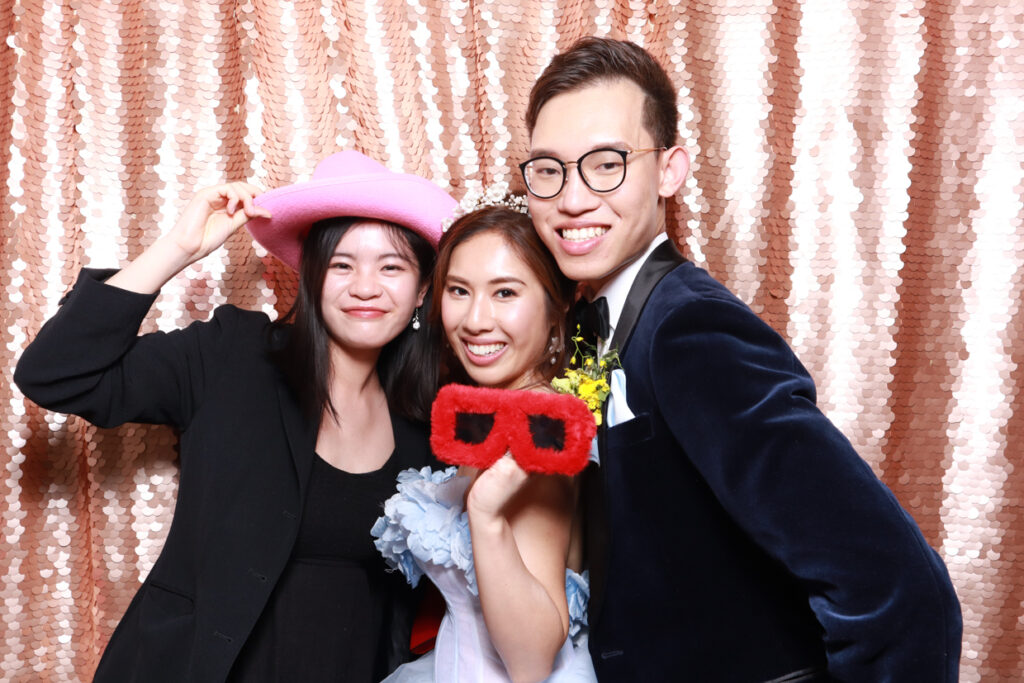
{"x": 594, "y": 60}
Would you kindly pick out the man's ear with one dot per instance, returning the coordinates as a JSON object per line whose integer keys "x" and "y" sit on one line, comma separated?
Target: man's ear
{"x": 673, "y": 167}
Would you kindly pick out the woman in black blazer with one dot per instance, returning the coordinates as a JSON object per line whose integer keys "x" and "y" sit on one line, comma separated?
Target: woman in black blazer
{"x": 291, "y": 432}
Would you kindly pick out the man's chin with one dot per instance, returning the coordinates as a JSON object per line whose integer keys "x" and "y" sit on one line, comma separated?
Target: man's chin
{"x": 583, "y": 270}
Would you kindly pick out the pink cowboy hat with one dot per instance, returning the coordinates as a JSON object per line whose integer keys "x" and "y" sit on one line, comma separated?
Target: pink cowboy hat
{"x": 348, "y": 184}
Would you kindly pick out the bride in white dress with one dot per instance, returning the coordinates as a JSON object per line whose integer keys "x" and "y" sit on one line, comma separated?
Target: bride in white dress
{"x": 500, "y": 544}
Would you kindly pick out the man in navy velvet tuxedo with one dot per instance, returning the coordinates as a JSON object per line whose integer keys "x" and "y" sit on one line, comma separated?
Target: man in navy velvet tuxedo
{"x": 733, "y": 534}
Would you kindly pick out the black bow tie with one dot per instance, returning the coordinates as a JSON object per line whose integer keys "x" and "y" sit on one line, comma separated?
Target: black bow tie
{"x": 593, "y": 319}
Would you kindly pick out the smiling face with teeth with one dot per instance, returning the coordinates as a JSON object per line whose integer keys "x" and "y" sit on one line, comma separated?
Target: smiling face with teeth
{"x": 495, "y": 313}
{"x": 371, "y": 285}
{"x": 591, "y": 234}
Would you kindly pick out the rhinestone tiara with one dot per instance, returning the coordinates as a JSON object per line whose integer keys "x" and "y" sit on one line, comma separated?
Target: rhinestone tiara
{"x": 496, "y": 194}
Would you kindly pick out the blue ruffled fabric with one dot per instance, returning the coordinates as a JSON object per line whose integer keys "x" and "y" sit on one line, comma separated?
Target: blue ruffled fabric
{"x": 426, "y": 520}
{"x": 577, "y": 593}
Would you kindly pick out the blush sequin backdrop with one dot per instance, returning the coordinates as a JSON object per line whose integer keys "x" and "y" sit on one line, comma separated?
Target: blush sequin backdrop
{"x": 857, "y": 178}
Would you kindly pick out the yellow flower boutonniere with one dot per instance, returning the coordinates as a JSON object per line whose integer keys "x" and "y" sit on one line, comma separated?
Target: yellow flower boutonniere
{"x": 586, "y": 378}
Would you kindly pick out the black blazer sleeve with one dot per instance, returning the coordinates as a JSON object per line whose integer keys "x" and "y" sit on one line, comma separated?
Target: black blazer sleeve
{"x": 743, "y": 409}
{"x": 87, "y": 360}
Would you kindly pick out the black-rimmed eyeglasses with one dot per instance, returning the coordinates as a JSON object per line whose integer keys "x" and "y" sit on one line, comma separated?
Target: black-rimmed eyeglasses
{"x": 602, "y": 170}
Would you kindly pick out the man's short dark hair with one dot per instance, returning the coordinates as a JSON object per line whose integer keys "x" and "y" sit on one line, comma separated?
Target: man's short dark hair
{"x": 591, "y": 60}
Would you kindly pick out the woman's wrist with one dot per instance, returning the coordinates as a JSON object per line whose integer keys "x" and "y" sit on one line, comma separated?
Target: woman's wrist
{"x": 151, "y": 269}
{"x": 484, "y": 520}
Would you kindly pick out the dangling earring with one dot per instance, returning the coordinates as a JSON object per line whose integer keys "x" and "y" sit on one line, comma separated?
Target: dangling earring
{"x": 553, "y": 350}
{"x": 416, "y": 318}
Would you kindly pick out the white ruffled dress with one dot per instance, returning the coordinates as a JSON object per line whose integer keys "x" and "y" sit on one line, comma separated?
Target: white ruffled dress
{"x": 425, "y": 530}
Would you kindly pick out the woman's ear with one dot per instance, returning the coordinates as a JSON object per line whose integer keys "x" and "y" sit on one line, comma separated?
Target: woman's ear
{"x": 422, "y": 294}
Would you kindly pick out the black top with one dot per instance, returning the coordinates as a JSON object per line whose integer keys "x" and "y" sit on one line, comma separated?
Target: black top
{"x": 326, "y": 619}
{"x": 246, "y": 454}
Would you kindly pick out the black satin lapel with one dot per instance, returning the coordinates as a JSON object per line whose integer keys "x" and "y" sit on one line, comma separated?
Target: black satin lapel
{"x": 595, "y": 524}
{"x": 301, "y": 441}
{"x": 598, "y": 530}
{"x": 662, "y": 260}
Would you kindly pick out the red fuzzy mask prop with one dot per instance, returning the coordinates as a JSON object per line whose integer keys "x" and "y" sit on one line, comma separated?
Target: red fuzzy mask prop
{"x": 546, "y": 433}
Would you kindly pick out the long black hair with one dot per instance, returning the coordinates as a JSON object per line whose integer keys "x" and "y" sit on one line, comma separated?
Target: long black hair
{"x": 407, "y": 365}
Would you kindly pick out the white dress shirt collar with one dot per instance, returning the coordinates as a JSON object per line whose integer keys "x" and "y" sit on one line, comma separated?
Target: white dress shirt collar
{"x": 617, "y": 289}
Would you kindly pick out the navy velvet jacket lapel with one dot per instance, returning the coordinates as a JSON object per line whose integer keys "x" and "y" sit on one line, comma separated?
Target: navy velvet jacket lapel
{"x": 727, "y": 525}
{"x": 662, "y": 260}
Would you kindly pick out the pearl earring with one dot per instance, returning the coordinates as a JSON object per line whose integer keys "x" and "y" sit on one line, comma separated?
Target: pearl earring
{"x": 416, "y": 319}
